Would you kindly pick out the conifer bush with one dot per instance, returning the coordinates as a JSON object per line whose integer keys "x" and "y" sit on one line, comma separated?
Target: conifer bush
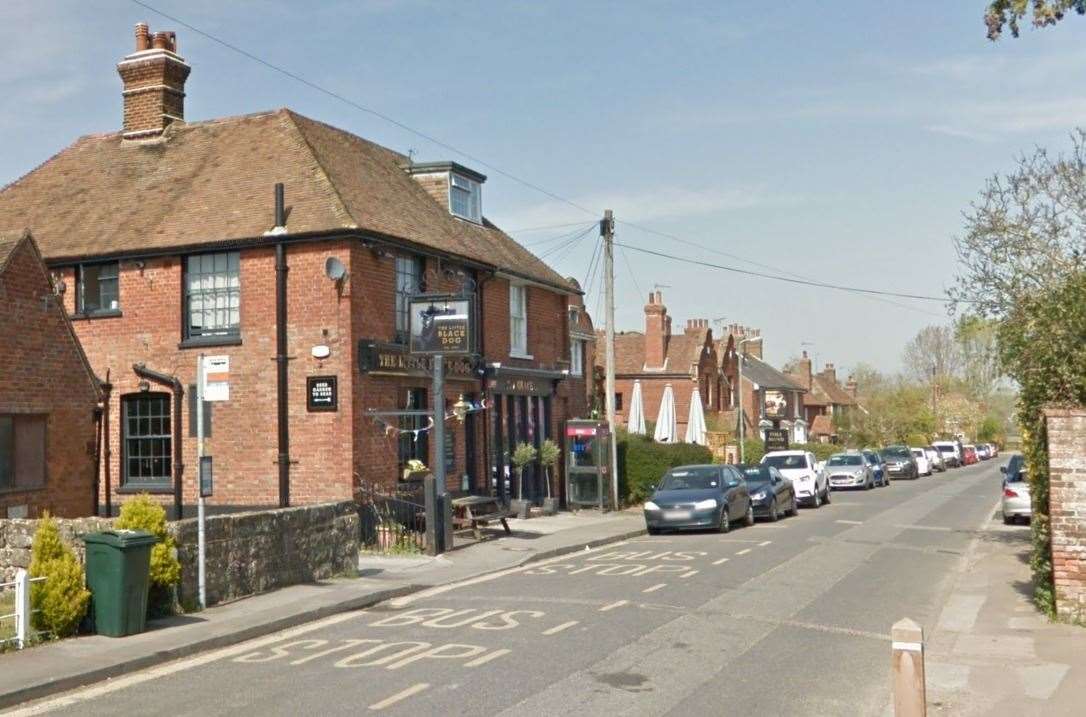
{"x": 143, "y": 513}
{"x": 60, "y": 601}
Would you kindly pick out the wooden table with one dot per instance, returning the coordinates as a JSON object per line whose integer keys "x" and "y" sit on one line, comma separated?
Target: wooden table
{"x": 474, "y": 511}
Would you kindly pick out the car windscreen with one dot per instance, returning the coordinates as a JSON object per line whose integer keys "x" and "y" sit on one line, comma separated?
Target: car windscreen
{"x": 850, "y": 460}
{"x": 755, "y": 474}
{"x": 945, "y": 449}
{"x": 785, "y": 461}
{"x": 701, "y": 478}
{"x": 1014, "y": 469}
{"x": 898, "y": 452}
{"x": 918, "y": 452}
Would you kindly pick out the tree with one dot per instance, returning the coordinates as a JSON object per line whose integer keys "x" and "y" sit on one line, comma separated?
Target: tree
{"x": 977, "y": 340}
{"x": 933, "y": 354}
{"x": 1025, "y": 233}
{"x": 1008, "y": 13}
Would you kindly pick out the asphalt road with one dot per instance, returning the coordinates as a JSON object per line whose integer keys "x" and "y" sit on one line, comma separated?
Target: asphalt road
{"x": 777, "y": 619}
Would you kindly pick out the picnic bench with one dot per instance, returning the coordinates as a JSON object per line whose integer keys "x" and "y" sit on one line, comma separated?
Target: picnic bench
{"x": 474, "y": 511}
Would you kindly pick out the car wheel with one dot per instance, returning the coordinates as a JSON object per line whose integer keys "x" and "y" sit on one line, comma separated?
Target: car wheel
{"x": 1008, "y": 519}
{"x": 774, "y": 516}
{"x": 826, "y": 496}
{"x": 794, "y": 509}
{"x": 748, "y": 519}
{"x": 725, "y": 521}
{"x": 816, "y": 499}
{"x": 868, "y": 485}
{"x": 653, "y": 531}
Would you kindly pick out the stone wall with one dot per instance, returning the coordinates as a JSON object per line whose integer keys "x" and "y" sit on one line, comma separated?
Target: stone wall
{"x": 250, "y": 553}
{"x": 16, "y": 537}
{"x": 1066, "y": 429}
{"x": 247, "y": 553}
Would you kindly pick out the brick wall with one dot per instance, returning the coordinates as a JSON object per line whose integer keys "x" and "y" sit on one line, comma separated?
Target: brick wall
{"x": 1066, "y": 430}
{"x": 43, "y": 372}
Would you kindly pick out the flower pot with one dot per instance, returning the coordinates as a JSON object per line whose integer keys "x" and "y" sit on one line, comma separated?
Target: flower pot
{"x": 521, "y": 508}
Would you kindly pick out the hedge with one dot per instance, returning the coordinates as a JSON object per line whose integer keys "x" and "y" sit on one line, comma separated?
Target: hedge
{"x": 754, "y": 450}
{"x": 642, "y": 462}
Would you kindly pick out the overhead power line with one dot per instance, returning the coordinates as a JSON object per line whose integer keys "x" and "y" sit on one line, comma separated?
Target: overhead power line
{"x": 804, "y": 282}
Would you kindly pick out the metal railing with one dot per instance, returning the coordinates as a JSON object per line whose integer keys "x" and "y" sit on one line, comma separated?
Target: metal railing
{"x": 392, "y": 521}
{"x": 23, "y": 611}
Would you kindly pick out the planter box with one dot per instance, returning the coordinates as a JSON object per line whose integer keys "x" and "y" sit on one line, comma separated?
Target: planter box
{"x": 521, "y": 508}
{"x": 550, "y": 506}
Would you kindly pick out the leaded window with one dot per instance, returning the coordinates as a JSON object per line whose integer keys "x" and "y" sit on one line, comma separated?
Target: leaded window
{"x": 212, "y": 295}
{"x": 408, "y": 283}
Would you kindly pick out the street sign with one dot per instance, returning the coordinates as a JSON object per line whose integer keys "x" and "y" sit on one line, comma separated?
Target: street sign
{"x": 776, "y": 439}
{"x": 442, "y": 325}
{"x": 206, "y": 480}
{"x": 216, "y": 378}
{"x": 321, "y": 393}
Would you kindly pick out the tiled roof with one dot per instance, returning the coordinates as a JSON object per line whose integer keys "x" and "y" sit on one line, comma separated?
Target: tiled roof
{"x": 207, "y": 183}
{"x": 830, "y": 392}
{"x": 764, "y": 375}
{"x": 683, "y": 351}
{"x": 822, "y": 425}
{"x": 8, "y": 241}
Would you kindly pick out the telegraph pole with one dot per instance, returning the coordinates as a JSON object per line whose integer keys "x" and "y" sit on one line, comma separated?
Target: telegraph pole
{"x": 607, "y": 231}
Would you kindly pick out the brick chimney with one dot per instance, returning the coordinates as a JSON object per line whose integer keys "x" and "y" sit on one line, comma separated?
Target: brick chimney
{"x": 751, "y": 348}
{"x": 657, "y": 331}
{"x": 829, "y": 373}
{"x": 154, "y": 84}
{"x": 852, "y": 387}
{"x": 803, "y": 371}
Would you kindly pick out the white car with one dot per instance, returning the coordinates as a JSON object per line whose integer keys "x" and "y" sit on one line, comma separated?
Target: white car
{"x": 935, "y": 459}
{"x": 952, "y": 455}
{"x": 923, "y": 465}
{"x": 811, "y": 484}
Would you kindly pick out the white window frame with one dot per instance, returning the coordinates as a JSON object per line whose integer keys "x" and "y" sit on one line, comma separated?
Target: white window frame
{"x": 576, "y": 358}
{"x": 458, "y": 182}
{"x": 518, "y": 321}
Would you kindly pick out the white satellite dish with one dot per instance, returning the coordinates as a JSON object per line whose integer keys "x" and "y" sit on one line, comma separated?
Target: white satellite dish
{"x": 334, "y": 268}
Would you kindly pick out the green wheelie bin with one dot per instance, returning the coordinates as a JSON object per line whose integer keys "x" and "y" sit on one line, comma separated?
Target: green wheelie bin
{"x": 118, "y": 576}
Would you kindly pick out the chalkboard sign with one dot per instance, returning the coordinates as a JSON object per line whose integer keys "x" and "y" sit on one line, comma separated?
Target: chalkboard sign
{"x": 321, "y": 393}
{"x": 450, "y": 452}
{"x": 776, "y": 439}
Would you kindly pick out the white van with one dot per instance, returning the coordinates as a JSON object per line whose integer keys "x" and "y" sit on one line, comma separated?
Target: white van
{"x": 950, "y": 451}
{"x": 810, "y": 484}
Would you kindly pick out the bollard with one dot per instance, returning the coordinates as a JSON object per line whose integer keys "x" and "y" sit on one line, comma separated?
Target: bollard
{"x": 432, "y": 506}
{"x": 907, "y": 650}
{"x": 22, "y": 608}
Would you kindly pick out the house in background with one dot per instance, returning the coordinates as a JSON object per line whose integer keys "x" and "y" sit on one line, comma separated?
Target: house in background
{"x": 825, "y": 400}
{"x": 770, "y": 397}
{"x": 48, "y": 394}
{"x": 657, "y": 357}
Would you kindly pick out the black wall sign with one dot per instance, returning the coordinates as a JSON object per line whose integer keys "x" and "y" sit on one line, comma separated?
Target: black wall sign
{"x": 776, "y": 439}
{"x": 442, "y": 324}
{"x": 386, "y": 359}
{"x": 321, "y": 393}
{"x": 206, "y": 479}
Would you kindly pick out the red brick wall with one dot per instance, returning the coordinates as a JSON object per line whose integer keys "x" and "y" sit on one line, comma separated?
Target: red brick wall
{"x": 1066, "y": 431}
{"x": 42, "y": 372}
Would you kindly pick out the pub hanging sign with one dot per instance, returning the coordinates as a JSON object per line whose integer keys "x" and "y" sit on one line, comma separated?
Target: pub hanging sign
{"x": 442, "y": 324}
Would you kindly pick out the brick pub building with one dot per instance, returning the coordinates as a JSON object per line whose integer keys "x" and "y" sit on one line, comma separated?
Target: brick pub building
{"x": 165, "y": 235}
{"x": 48, "y": 394}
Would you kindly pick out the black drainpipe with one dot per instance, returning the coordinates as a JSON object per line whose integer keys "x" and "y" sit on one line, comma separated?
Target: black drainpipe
{"x": 107, "y": 450}
{"x": 178, "y": 398}
{"x": 281, "y": 351}
{"x": 97, "y": 459}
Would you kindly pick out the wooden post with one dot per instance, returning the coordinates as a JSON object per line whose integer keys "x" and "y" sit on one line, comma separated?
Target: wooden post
{"x": 907, "y": 650}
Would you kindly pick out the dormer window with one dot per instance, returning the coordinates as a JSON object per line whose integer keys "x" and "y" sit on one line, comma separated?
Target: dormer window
{"x": 464, "y": 198}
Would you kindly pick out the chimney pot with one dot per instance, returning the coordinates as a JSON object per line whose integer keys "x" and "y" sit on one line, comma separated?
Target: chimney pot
{"x": 161, "y": 41}
{"x": 143, "y": 37}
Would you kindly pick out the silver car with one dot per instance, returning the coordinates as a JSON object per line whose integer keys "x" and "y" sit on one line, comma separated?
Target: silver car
{"x": 1016, "y": 500}
{"x": 849, "y": 470}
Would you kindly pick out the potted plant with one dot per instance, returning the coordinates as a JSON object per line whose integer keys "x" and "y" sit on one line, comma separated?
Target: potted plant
{"x": 524, "y": 454}
{"x": 548, "y": 457}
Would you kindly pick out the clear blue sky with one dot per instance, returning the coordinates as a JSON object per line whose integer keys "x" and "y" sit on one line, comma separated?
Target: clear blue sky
{"x": 841, "y": 145}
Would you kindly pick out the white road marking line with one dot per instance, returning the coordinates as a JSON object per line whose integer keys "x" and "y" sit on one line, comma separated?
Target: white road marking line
{"x": 721, "y": 561}
{"x": 744, "y": 551}
{"x": 849, "y": 522}
{"x": 764, "y": 543}
{"x": 654, "y": 588}
{"x": 689, "y": 574}
{"x": 558, "y": 628}
{"x": 91, "y": 692}
{"x": 400, "y": 696}
{"x": 937, "y": 528}
{"x": 613, "y": 605}
{"x": 487, "y": 658}
{"x": 652, "y": 540}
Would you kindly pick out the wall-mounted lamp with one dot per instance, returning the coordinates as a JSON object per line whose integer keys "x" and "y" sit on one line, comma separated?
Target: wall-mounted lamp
{"x": 144, "y": 386}
{"x": 460, "y": 408}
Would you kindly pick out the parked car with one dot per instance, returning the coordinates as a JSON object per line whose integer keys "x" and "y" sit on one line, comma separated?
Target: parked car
{"x": 799, "y": 467}
{"x": 849, "y": 470}
{"x": 1016, "y": 497}
{"x": 969, "y": 455}
{"x": 935, "y": 459}
{"x": 878, "y": 467}
{"x": 900, "y": 462}
{"x": 701, "y": 496}
{"x": 772, "y": 494}
{"x": 995, "y": 450}
{"x": 951, "y": 453}
{"x": 923, "y": 467}
{"x": 984, "y": 452}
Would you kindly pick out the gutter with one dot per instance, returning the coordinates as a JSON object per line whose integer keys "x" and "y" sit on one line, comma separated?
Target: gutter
{"x": 178, "y": 436}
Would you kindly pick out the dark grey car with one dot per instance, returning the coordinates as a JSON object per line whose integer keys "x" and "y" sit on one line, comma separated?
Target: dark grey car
{"x": 900, "y": 462}
{"x": 699, "y": 497}
{"x": 771, "y": 493}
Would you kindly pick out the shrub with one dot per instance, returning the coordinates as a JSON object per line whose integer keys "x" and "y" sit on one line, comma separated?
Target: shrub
{"x": 60, "y": 602}
{"x": 642, "y": 462}
{"x": 143, "y": 513}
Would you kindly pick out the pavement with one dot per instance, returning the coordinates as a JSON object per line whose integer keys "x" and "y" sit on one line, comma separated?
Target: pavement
{"x": 783, "y": 618}
{"x": 58, "y": 666}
